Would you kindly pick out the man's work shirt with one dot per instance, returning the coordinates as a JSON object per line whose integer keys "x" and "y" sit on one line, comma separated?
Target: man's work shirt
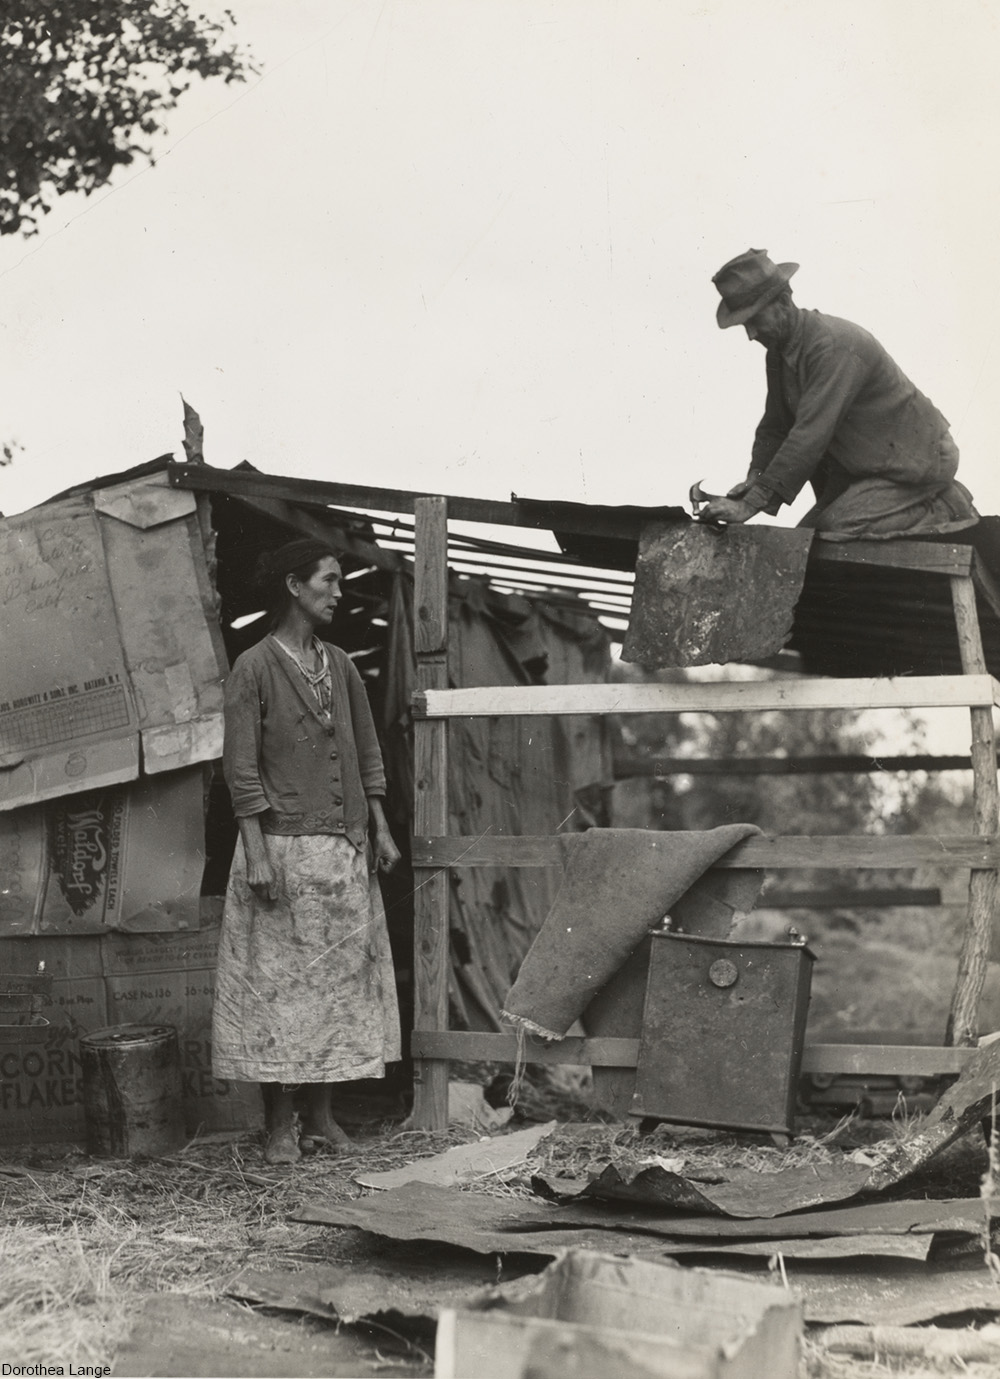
{"x": 834, "y": 393}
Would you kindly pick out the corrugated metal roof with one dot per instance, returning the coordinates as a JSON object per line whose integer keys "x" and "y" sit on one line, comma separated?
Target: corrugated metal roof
{"x": 850, "y": 620}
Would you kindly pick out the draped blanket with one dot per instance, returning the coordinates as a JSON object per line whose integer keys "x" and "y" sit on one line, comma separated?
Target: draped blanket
{"x": 619, "y": 883}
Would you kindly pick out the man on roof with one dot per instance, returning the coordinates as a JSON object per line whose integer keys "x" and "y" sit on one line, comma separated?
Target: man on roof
{"x": 841, "y": 414}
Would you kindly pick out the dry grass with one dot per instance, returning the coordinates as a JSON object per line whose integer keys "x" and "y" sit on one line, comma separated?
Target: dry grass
{"x": 818, "y": 1363}
{"x": 707, "y": 1156}
{"x": 84, "y": 1242}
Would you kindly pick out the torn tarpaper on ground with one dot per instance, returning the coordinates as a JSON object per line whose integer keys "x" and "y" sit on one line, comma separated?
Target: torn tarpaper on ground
{"x": 471, "y": 1220}
{"x": 890, "y": 1292}
{"x": 874, "y": 1246}
{"x": 747, "y": 1193}
{"x": 404, "y": 1294}
{"x": 704, "y": 596}
{"x": 464, "y": 1163}
{"x": 619, "y": 883}
{"x": 494, "y": 1225}
{"x": 177, "y": 1334}
{"x": 865, "y": 1283}
{"x": 960, "y": 1217}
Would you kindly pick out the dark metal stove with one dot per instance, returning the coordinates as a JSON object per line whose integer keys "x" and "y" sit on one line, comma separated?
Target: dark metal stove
{"x": 723, "y": 1031}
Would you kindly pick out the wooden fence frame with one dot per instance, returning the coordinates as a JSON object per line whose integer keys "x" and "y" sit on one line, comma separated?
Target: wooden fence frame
{"x": 435, "y": 852}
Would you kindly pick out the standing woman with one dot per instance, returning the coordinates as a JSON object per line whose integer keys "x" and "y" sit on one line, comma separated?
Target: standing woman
{"x": 305, "y": 992}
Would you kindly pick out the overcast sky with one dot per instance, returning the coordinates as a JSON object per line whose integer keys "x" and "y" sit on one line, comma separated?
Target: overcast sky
{"x": 467, "y": 246}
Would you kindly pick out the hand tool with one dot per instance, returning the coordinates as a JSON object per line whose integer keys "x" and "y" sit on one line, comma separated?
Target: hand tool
{"x": 698, "y": 498}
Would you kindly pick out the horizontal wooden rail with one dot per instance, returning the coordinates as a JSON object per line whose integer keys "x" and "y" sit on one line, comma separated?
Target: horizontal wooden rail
{"x": 802, "y": 692}
{"x": 629, "y": 765}
{"x": 896, "y": 1060}
{"x": 929, "y": 557}
{"x": 866, "y": 852}
{"x": 853, "y": 898}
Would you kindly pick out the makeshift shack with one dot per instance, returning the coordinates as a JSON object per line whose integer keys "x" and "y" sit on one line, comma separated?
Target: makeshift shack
{"x": 110, "y": 730}
{"x": 896, "y": 624}
{"x": 125, "y": 600}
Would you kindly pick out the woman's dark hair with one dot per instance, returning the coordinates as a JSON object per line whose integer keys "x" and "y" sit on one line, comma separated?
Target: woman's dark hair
{"x": 300, "y": 557}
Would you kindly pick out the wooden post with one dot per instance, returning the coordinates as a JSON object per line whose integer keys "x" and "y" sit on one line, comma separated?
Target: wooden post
{"x": 963, "y": 1022}
{"x": 430, "y": 807}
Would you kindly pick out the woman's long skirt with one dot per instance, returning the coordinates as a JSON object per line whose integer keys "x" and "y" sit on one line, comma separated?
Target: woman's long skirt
{"x": 305, "y": 990}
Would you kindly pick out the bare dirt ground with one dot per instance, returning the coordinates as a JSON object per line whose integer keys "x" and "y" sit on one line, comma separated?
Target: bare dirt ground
{"x": 85, "y": 1244}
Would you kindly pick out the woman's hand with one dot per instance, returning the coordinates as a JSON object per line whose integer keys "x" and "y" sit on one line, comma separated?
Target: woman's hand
{"x": 385, "y": 853}
{"x": 261, "y": 877}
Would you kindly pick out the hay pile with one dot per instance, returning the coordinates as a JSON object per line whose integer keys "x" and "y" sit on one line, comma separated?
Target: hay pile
{"x": 84, "y": 1241}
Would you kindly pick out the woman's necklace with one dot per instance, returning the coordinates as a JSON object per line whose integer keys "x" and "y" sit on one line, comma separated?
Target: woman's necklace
{"x": 319, "y": 681}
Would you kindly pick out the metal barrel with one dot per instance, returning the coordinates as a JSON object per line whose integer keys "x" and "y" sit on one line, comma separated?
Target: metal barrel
{"x": 132, "y": 1090}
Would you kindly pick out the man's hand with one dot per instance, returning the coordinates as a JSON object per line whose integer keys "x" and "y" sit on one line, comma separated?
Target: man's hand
{"x": 740, "y": 490}
{"x": 728, "y": 510}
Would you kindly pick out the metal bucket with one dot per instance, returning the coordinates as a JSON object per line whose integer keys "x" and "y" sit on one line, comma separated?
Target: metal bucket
{"x": 132, "y": 1090}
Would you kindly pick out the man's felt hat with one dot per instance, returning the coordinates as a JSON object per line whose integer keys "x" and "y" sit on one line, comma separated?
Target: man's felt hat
{"x": 748, "y": 283}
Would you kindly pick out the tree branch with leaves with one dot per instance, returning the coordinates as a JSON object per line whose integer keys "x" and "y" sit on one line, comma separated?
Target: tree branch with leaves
{"x": 86, "y": 86}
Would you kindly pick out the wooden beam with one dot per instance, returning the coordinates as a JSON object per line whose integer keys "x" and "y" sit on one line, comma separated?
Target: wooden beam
{"x": 887, "y": 1060}
{"x": 475, "y": 1047}
{"x": 661, "y": 768}
{"x": 963, "y": 1021}
{"x": 892, "y": 1060}
{"x": 431, "y": 958}
{"x": 930, "y": 557}
{"x": 870, "y": 897}
{"x": 323, "y": 493}
{"x": 867, "y": 853}
{"x": 575, "y": 518}
{"x": 741, "y": 696}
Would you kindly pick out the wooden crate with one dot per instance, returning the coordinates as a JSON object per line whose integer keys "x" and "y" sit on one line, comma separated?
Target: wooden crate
{"x": 591, "y": 1315}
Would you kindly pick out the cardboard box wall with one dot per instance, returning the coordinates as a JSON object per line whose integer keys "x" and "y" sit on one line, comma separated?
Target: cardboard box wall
{"x": 112, "y": 651}
{"x": 114, "y": 979}
{"x": 127, "y": 857}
